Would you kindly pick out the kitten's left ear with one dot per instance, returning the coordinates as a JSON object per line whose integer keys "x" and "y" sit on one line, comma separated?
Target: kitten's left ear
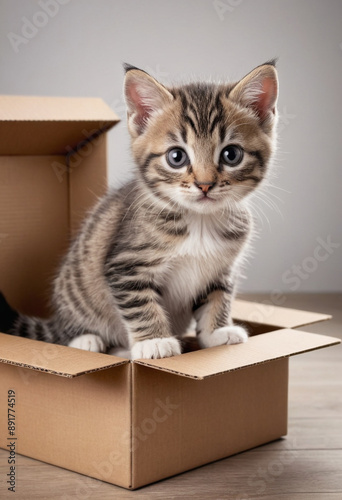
{"x": 259, "y": 91}
{"x": 145, "y": 97}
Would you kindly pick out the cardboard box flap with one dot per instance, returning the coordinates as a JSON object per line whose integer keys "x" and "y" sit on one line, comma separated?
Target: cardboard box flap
{"x": 50, "y": 125}
{"x": 259, "y": 349}
{"x": 270, "y": 315}
{"x": 52, "y": 358}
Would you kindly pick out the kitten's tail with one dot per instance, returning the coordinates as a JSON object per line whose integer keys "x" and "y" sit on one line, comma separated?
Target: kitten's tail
{"x": 14, "y": 323}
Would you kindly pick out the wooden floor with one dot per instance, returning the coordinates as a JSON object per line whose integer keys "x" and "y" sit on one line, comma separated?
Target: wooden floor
{"x": 307, "y": 464}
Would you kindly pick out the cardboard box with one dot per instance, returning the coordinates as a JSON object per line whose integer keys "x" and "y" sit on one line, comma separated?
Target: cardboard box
{"x": 127, "y": 423}
{"x": 50, "y": 175}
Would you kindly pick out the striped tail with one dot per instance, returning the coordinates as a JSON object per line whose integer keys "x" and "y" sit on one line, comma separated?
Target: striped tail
{"x": 14, "y": 323}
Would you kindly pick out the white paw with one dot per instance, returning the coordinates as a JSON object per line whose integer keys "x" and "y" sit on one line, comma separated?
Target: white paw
{"x": 156, "y": 348}
{"x": 226, "y": 335}
{"x": 88, "y": 342}
{"x": 121, "y": 352}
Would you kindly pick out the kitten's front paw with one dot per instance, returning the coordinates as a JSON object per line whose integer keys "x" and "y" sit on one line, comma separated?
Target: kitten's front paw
{"x": 88, "y": 342}
{"x": 226, "y": 335}
{"x": 156, "y": 348}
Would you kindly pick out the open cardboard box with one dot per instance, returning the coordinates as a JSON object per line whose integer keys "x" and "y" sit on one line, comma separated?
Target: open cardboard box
{"x": 127, "y": 423}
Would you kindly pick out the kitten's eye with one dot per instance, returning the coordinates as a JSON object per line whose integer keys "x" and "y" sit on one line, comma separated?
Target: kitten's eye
{"x": 177, "y": 158}
{"x": 231, "y": 155}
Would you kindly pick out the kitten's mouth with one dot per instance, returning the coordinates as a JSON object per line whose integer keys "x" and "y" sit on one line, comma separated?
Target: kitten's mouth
{"x": 204, "y": 198}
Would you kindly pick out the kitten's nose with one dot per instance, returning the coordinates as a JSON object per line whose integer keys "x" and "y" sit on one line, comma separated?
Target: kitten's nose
{"x": 204, "y": 186}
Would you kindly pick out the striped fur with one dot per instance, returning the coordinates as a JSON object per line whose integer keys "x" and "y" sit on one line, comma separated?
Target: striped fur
{"x": 167, "y": 247}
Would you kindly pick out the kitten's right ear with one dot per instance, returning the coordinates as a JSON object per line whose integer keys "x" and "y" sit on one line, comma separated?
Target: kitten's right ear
{"x": 145, "y": 97}
{"x": 259, "y": 91}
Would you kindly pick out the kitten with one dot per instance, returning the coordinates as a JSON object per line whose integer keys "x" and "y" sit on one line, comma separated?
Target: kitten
{"x": 167, "y": 246}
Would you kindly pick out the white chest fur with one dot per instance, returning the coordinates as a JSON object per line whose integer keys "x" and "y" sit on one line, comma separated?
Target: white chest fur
{"x": 203, "y": 257}
{"x": 204, "y": 237}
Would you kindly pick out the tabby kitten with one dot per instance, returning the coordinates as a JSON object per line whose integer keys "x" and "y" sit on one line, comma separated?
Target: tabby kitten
{"x": 167, "y": 246}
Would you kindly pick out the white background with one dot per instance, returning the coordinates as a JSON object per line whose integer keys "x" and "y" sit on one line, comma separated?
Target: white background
{"x": 79, "y": 48}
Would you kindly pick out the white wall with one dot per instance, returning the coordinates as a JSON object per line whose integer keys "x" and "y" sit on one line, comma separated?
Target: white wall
{"x": 81, "y": 44}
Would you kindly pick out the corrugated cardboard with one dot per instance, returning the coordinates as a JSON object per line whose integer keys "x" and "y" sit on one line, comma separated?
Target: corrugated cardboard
{"x": 269, "y": 317}
{"x": 206, "y": 420}
{"x": 75, "y": 423}
{"x": 127, "y": 423}
{"x": 52, "y": 358}
{"x": 50, "y": 125}
{"x": 259, "y": 349}
{"x": 52, "y": 170}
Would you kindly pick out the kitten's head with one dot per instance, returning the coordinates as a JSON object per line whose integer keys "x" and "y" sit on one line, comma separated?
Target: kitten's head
{"x": 201, "y": 146}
